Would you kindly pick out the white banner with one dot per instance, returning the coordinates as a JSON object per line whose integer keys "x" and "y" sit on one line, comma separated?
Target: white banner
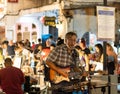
{"x": 106, "y": 22}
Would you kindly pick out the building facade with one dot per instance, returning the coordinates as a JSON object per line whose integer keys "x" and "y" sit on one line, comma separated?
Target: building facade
{"x": 22, "y": 18}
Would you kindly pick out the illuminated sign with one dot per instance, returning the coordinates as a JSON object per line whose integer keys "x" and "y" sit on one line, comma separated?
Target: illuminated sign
{"x": 50, "y": 21}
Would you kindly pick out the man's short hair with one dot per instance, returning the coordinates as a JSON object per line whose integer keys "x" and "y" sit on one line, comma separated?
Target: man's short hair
{"x": 70, "y": 34}
{"x": 8, "y": 60}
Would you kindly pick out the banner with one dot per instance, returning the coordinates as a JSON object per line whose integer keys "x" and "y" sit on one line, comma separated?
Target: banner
{"x": 106, "y": 22}
{"x": 13, "y": 1}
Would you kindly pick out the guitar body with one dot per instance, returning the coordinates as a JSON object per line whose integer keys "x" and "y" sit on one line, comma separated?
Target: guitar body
{"x": 73, "y": 73}
{"x": 57, "y": 78}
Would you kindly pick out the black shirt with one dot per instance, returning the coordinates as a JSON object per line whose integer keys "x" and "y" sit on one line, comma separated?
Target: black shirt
{"x": 87, "y": 51}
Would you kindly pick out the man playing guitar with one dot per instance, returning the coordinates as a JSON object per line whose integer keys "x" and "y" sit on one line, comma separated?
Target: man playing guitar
{"x": 61, "y": 58}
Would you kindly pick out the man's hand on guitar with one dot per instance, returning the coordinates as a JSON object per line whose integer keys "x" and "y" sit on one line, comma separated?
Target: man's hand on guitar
{"x": 59, "y": 75}
{"x": 85, "y": 73}
{"x": 64, "y": 72}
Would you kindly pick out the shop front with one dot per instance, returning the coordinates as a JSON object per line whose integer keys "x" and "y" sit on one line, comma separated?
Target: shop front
{"x": 33, "y": 26}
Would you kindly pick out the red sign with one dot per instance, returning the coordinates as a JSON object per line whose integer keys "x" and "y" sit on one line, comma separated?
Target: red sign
{"x": 13, "y": 1}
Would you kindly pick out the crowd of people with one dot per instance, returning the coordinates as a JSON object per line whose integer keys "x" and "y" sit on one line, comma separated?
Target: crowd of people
{"x": 59, "y": 56}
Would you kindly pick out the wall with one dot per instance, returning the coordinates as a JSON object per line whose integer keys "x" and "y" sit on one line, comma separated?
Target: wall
{"x": 16, "y": 10}
{"x": 23, "y": 4}
{"x": 85, "y": 20}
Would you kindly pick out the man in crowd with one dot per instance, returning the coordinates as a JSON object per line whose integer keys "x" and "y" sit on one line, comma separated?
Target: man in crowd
{"x": 11, "y": 78}
{"x": 11, "y": 49}
{"x": 61, "y": 58}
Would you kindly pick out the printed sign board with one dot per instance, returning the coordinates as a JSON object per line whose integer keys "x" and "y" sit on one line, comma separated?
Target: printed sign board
{"x": 106, "y": 22}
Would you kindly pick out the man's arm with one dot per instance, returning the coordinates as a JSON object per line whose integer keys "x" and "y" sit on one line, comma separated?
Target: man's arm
{"x": 57, "y": 69}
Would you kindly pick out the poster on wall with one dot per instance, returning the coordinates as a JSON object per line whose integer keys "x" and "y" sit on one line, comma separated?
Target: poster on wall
{"x": 13, "y": 1}
{"x": 106, "y": 22}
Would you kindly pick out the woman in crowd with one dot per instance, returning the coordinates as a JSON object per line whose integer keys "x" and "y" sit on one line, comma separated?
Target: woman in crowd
{"x": 97, "y": 57}
{"x": 99, "y": 53}
{"x": 83, "y": 58}
{"x": 83, "y": 46}
{"x": 18, "y": 57}
{"x": 112, "y": 62}
{"x": 37, "y": 57}
{"x": 25, "y": 53}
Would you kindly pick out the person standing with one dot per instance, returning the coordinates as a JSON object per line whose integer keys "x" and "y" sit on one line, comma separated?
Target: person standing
{"x": 82, "y": 44}
{"x": 112, "y": 62}
{"x": 50, "y": 41}
{"x": 11, "y": 49}
{"x": 4, "y": 48}
{"x": 33, "y": 46}
{"x": 83, "y": 58}
{"x": 11, "y": 78}
{"x": 39, "y": 43}
{"x": 61, "y": 58}
{"x": 37, "y": 57}
{"x": 25, "y": 53}
{"x": 96, "y": 58}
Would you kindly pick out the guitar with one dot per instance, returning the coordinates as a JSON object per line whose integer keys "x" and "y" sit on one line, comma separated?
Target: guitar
{"x": 77, "y": 73}
{"x": 74, "y": 74}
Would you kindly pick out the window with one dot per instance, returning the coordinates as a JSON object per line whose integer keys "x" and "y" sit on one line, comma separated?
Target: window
{"x": 19, "y": 27}
{"x": 33, "y": 26}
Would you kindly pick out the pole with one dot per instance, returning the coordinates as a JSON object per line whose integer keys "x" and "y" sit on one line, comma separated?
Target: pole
{"x": 105, "y": 58}
{"x": 104, "y": 48}
{"x": 105, "y": 2}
